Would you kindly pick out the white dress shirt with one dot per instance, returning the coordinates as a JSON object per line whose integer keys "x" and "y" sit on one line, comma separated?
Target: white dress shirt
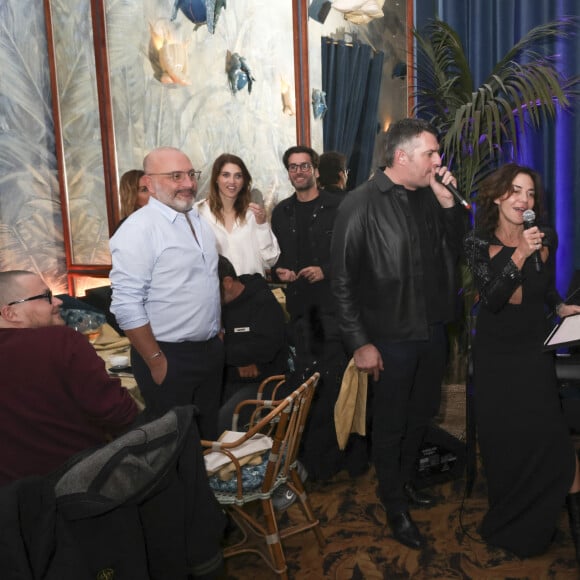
{"x": 250, "y": 247}
{"x": 162, "y": 276}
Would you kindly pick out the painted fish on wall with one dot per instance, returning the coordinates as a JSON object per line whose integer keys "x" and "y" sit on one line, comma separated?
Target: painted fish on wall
{"x": 319, "y": 107}
{"x": 239, "y": 74}
{"x": 287, "y": 104}
{"x": 168, "y": 56}
{"x": 200, "y": 11}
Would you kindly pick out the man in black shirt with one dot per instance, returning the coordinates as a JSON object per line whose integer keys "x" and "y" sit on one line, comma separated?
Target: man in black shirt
{"x": 303, "y": 226}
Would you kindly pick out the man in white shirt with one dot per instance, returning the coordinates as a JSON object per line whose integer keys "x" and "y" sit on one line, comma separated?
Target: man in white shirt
{"x": 166, "y": 292}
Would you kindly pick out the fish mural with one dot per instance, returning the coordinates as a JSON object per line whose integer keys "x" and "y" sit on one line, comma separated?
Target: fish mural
{"x": 200, "y": 12}
{"x": 319, "y": 107}
{"x": 239, "y": 74}
{"x": 287, "y": 104}
{"x": 168, "y": 55}
{"x": 399, "y": 71}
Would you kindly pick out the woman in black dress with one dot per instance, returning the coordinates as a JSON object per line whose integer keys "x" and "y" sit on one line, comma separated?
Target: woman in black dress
{"x": 529, "y": 459}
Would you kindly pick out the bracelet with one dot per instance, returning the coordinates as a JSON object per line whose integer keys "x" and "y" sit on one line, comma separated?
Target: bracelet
{"x": 156, "y": 354}
{"x": 559, "y": 308}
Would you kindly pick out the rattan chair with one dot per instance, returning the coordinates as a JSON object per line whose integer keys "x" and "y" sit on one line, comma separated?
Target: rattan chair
{"x": 252, "y": 510}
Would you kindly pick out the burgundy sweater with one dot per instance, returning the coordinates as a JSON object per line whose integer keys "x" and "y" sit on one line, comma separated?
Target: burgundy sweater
{"x": 56, "y": 399}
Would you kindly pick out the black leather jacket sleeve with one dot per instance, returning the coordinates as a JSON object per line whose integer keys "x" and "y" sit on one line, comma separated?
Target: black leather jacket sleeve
{"x": 377, "y": 267}
{"x": 348, "y": 245}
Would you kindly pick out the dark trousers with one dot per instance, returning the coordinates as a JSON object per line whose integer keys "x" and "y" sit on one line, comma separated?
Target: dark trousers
{"x": 194, "y": 377}
{"x": 319, "y": 348}
{"x": 405, "y": 399}
{"x": 235, "y": 393}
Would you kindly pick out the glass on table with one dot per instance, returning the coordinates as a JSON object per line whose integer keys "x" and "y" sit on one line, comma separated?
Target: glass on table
{"x": 85, "y": 321}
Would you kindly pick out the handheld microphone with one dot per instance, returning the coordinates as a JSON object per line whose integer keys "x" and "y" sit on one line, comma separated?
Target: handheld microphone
{"x": 453, "y": 190}
{"x": 529, "y": 222}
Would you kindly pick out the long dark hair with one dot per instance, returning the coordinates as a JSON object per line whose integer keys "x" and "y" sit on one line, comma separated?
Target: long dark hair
{"x": 243, "y": 198}
{"x": 496, "y": 185}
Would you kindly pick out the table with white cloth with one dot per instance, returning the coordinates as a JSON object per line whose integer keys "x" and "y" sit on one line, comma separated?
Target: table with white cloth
{"x": 110, "y": 343}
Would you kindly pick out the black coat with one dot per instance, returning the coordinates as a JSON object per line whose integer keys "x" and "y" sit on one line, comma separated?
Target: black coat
{"x": 139, "y": 507}
{"x": 377, "y": 263}
{"x": 301, "y": 296}
{"x": 255, "y": 331}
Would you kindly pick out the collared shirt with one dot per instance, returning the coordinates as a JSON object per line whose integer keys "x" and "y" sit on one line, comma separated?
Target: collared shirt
{"x": 250, "y": 247}
{"x": 162, "y": 276}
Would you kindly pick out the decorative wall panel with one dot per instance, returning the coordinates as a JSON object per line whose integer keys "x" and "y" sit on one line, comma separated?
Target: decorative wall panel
{"x": 30, "y": 218}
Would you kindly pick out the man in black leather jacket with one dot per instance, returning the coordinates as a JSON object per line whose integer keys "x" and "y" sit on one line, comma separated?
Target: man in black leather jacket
{"x": 303, "y": 226}
{"x": 395, "y": 243}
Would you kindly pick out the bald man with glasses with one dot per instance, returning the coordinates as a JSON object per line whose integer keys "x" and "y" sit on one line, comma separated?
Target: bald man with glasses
{"x": 166, "y": 294}
{"x": 56, "y": 398}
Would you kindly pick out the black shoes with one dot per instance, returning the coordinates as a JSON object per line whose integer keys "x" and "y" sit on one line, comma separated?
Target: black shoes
{"x": 416, "y": 497}
{"x": 405, "y": 531}
{"x": 402, "y": 526}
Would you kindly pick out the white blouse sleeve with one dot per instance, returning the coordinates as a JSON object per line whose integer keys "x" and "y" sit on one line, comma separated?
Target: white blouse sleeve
{"x": 267, "y": 243}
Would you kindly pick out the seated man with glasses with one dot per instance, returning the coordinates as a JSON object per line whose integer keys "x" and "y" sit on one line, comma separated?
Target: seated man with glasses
{"x": 56, "y": 398}
{"x": 166, "y": 295}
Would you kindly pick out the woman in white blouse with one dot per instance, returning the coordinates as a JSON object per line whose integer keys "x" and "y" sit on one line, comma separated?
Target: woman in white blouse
{"x": 241, "y": 227}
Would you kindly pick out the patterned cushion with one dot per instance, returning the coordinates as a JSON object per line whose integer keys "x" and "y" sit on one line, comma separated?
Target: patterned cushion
{"x": 252, "y": 477}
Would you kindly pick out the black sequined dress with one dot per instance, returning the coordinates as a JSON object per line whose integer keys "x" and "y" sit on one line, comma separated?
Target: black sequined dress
{"x": 527, "y": 453}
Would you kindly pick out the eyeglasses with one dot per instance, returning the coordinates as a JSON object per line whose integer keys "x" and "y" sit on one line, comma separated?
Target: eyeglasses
{"x": 294, "y": 167}
{"x": 179, "y": 176}
{"x": 47, "y": 295}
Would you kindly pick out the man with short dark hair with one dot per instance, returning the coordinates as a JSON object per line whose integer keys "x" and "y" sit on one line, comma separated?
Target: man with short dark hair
{"x": 56, "y": 398}
{"x": 166, "y": 293}
{"x": 333, "y": 172}
{"x": 303, "y": 225}
{"x": 395, "y": 245}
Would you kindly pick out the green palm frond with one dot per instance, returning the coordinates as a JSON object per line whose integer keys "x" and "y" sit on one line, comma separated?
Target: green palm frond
{"x": 528, "y": 47}
{"x": 524, "y": 90}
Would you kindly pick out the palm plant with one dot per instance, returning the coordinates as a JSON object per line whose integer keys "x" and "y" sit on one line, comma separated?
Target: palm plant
{"x": 479, "y": 124}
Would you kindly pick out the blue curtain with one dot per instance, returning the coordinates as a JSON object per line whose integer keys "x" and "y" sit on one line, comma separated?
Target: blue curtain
{"x": 488, "y": 29}
{"x": 351, "y": 79}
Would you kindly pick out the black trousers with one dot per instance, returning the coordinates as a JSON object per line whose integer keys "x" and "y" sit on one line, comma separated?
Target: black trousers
{"x": 405, "y": 399}
{"x": 194, "y": 377}
{"x": 319, "y": 348}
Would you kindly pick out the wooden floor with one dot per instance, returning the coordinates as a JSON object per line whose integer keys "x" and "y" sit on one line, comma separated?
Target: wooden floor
{"x": 359, "y": 545}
